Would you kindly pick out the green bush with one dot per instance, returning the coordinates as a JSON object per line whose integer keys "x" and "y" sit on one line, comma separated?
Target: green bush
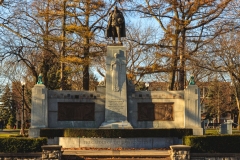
{"x": 115, "y": 133}
{"x": 213, "y": 143}
{"x": 21, "y": 145}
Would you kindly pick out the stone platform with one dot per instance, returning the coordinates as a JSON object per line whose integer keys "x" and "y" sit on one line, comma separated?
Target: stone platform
{"x": 113, "y": 143}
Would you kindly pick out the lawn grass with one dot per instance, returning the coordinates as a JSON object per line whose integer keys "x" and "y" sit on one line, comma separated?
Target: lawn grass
{"x": 9, "y": 133}
{"x": 216, "y": 131}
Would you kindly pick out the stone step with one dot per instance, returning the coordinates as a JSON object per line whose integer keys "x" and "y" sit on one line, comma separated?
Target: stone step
{"x": 119, "y": 153}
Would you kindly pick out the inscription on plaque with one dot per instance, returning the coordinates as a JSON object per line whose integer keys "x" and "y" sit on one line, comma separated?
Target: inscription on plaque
{"x": 116, "y": 142}
{"x": 116, "y": 105}
{"x": 155, "y": 111}
{"x": 71, "y": 111}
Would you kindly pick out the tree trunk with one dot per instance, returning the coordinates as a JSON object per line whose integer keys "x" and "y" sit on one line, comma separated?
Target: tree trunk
{"x": 237, "y": 100}
{"x": 63, "y": 76}
{"x": 236, "y": 94}
{"x": 172, "y": 75}
{"x": 86, "y": 66}
{"x": 86, "y": 77}
{"x": 86, "y": 48}
{"x": 171, "y": 80}
{"x": 181, "y": 75}
{"x": 182, "y": 61}
{"x": 45, "y": 63}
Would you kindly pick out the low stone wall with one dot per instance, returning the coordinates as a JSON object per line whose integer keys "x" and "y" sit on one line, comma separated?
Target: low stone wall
{"x": 87, "y": 109}
{"x": 21, "y": 156}
{"x": 147, "y": 143}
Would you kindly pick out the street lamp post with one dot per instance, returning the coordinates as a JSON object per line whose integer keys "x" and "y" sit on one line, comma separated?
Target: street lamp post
{"x": 22, "y": 119}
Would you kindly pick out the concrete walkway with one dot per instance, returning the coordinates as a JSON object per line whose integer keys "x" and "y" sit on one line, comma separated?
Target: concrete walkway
{"x": 118, "y": 153}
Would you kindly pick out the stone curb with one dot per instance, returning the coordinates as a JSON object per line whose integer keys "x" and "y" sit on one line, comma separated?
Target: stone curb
{"x": 215, "y": 154}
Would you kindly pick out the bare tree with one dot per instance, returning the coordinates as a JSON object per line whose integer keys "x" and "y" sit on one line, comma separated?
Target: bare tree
{"x": 225, "y": 51}
{"x": 40, "y": 31}
{"x": 187, "y": 26}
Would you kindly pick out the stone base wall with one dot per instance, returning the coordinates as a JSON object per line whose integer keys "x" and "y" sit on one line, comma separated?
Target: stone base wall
{"x": 156, "y": 97}
{"x": 159, "y": 99}
{"x": 84, "y": 97}
{"x": 146, "y": 143}
{"x": 173, "y": 109}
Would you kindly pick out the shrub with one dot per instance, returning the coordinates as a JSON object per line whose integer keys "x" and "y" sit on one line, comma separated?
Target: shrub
{"x": 213, "y": 143}
{"x": 115, "y": 133}
{"x": 22, "y": 145}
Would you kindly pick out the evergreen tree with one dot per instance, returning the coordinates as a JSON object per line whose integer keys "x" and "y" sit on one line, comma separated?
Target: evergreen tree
{"x": 6, "y": 109}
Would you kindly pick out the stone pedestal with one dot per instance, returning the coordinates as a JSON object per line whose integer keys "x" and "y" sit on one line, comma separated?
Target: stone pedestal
{"x": 52, "y": 152}
{"x": 116, "y": 89}
{"x": 193, "y": 109}
{"x": 180, "y": 152}
{"x": 39, "y": 112}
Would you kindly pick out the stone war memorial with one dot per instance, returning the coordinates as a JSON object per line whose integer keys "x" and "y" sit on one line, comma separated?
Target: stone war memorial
{"x": 115, "y": 105}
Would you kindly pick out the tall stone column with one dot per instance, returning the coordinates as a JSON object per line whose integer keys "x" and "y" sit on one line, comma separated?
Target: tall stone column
{"x": 116, "y": 89}
{"x": 39, "y": 112}
{"x": 193, "y": 109}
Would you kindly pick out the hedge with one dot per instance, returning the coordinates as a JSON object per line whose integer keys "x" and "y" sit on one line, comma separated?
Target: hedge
{"x": 213, "y": 143}
{"x": 115, "y": 133}
{"x": 21, "y": 145}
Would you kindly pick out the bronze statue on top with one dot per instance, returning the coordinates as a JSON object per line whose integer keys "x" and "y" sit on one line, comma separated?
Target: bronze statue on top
{"x": 116, "y": 25}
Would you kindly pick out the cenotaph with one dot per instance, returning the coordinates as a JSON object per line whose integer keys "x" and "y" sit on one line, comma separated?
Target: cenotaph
{"x": 116, "y": 104}
{"x": 116, "y": 89}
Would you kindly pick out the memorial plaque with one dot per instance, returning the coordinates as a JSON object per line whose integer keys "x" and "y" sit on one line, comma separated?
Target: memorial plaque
{"x": 145, "y": 111}
{"x": 163, "y": 111}
{"x": 155, "y": 111}
{"x": 76, "y": 111}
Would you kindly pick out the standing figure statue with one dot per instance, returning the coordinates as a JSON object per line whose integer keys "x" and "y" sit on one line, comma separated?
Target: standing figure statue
{"x": 116, "y": 25}
{"x": 116, "y": 67}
